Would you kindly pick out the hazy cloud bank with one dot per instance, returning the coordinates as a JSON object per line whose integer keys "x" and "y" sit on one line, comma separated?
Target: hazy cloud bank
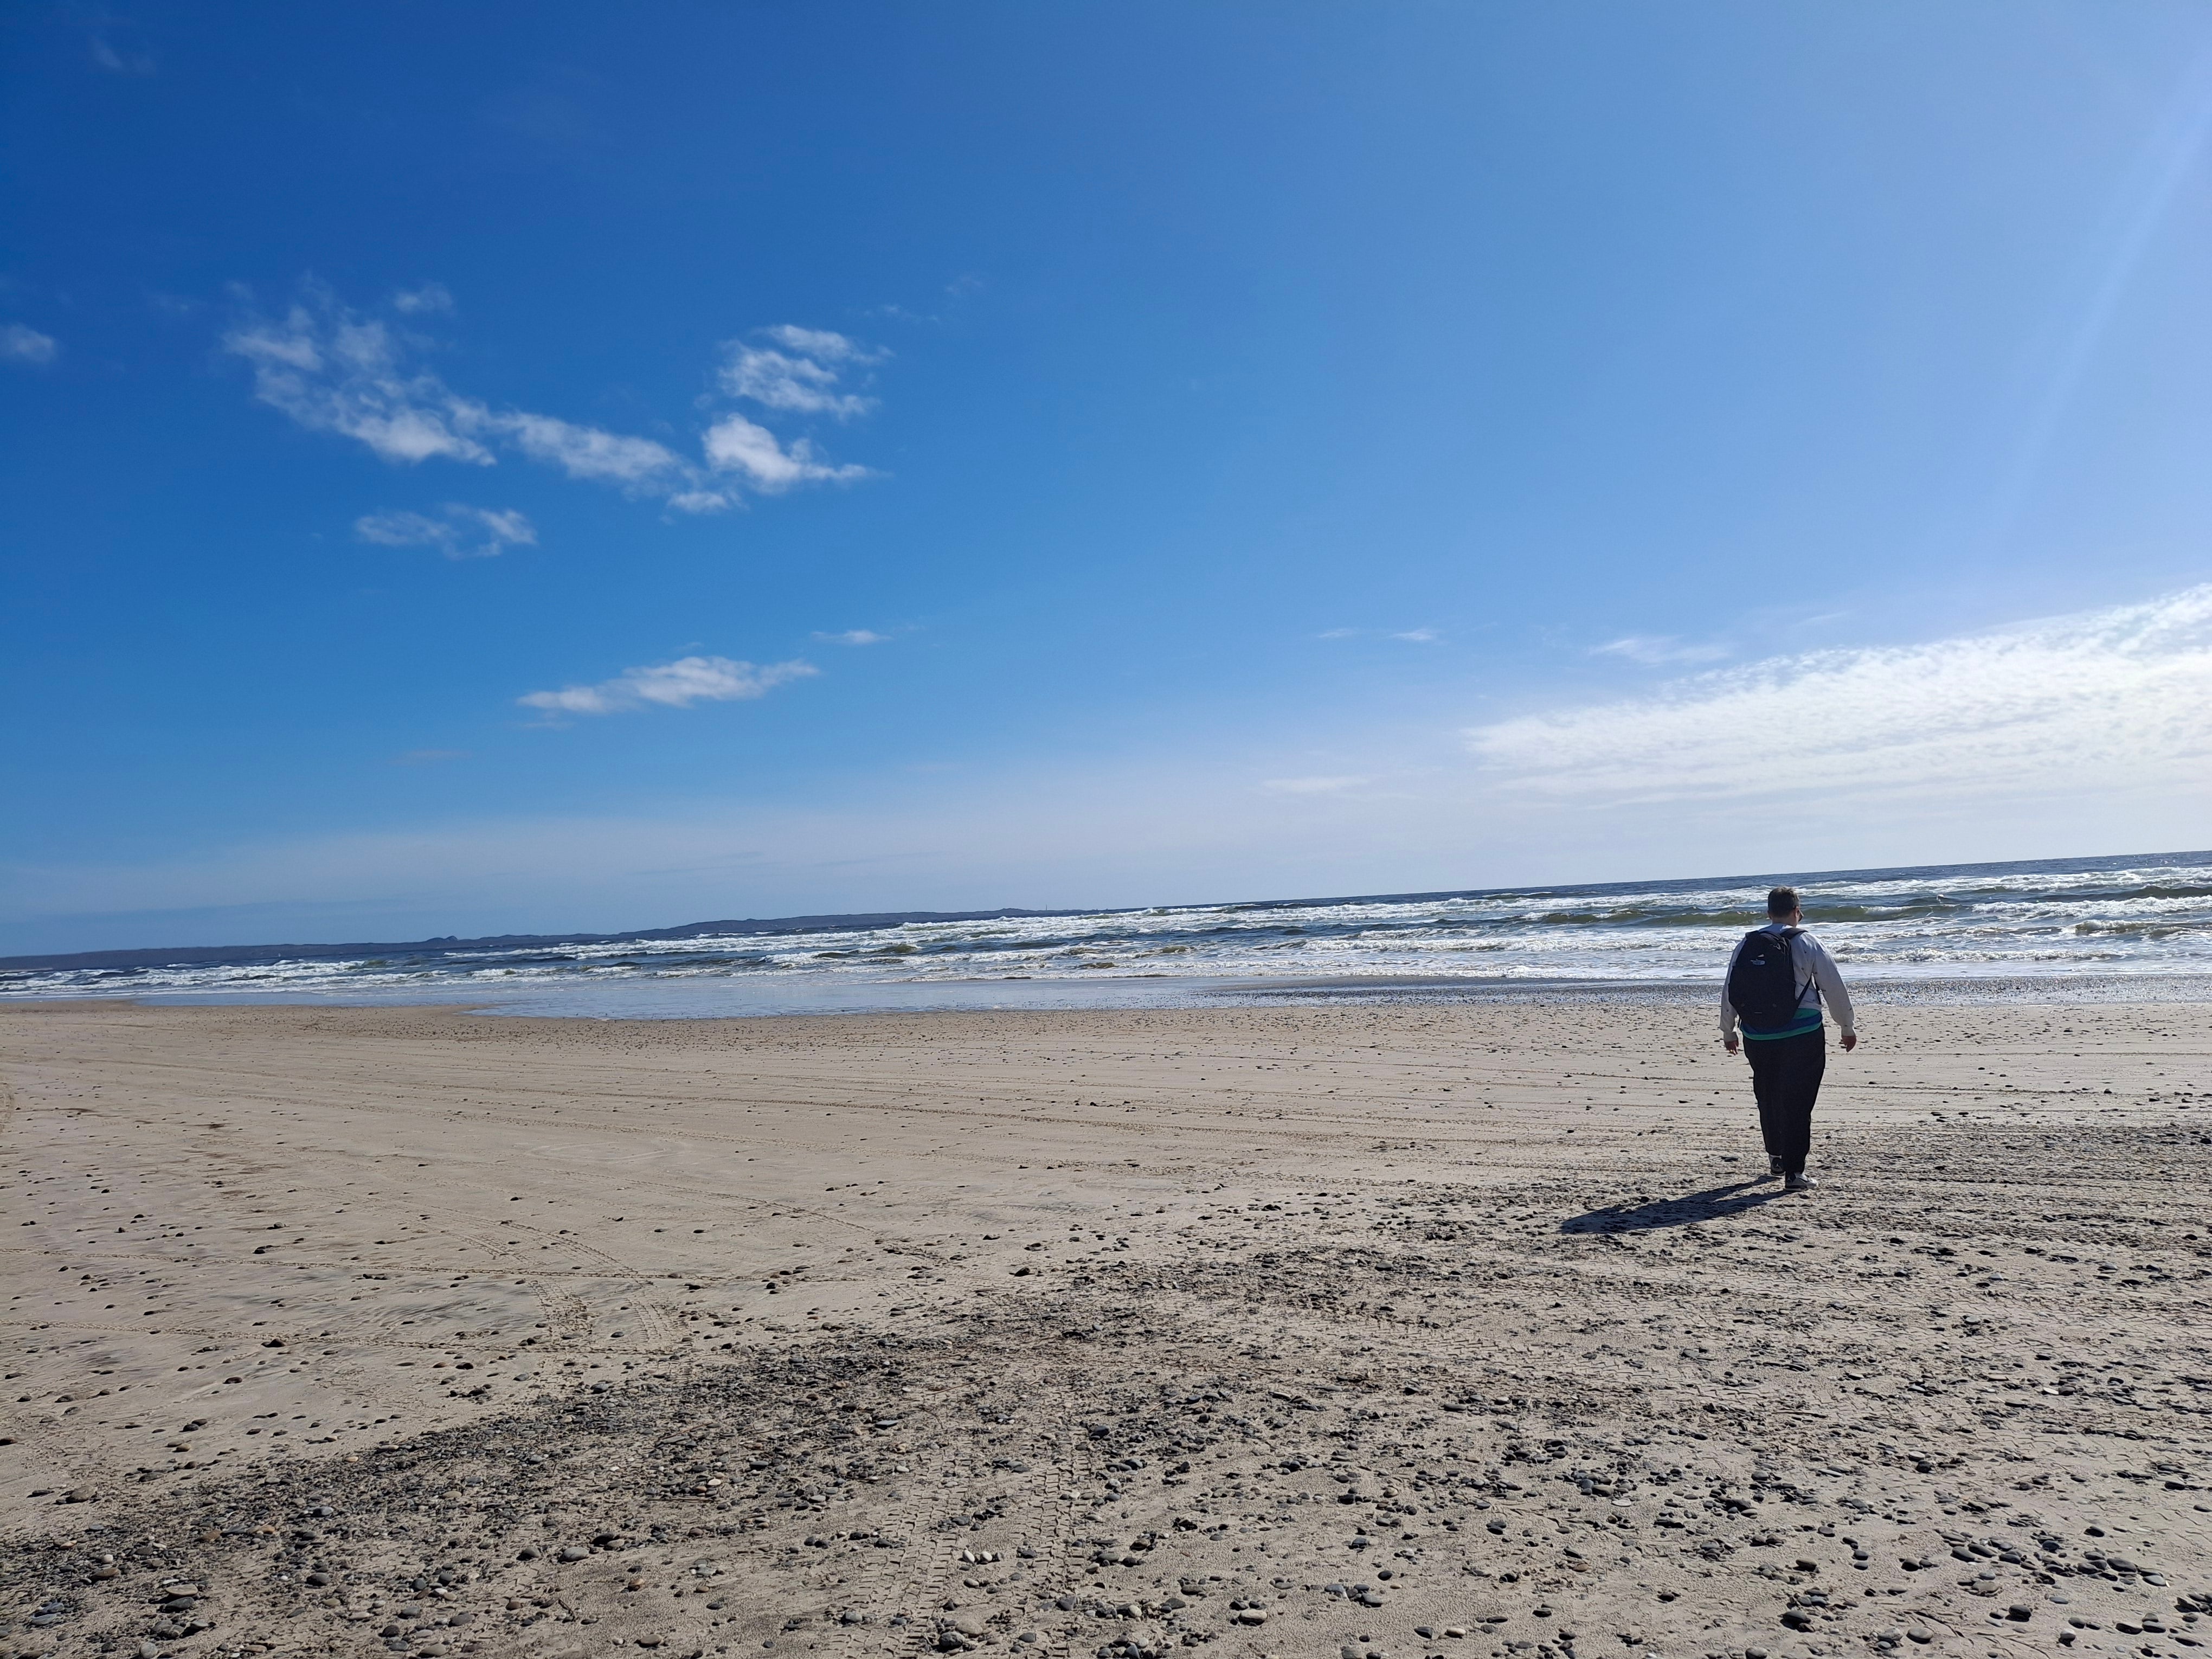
{"x": 2118, "y": 698}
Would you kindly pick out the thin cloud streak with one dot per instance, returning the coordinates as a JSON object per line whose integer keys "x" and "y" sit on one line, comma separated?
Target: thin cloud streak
{"x": 107, "y": 57}
{"x": 20, "y": 343}
{"x": 581, "y": 452}
{"x": 677, "y": 684}
{"x": 1654, "y": 649}
{"x": 701, "y": 501}
{"x": 465, "y": 532}
{"x": 430, "y": 297}
{"x": 2118, "y": 700}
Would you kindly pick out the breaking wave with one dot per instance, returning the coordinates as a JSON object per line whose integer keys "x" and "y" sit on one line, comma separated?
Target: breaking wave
{"x": 2139, "y": 915}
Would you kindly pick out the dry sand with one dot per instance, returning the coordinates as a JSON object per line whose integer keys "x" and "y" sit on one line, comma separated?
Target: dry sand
{"x": 1335, "y": 1331}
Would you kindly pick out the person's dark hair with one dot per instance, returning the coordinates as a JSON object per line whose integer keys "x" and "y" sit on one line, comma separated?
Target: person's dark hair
{"x": 1781, "y": 901}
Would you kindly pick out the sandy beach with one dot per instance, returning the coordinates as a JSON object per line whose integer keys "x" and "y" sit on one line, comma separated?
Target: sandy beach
{"x": 1337, "y": 1331}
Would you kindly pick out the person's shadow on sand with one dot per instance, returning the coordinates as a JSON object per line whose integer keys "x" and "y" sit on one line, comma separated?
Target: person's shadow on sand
{"x": 1714, "y": 1204}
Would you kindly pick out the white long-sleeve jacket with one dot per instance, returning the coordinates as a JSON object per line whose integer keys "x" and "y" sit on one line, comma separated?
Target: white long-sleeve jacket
{"x": 1817, "y": 979}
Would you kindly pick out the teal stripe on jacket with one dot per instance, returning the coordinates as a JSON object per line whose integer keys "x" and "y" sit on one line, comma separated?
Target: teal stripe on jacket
{"x": 1809, "y": 1019}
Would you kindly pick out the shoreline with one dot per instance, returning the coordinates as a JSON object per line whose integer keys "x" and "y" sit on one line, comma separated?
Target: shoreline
{"x": 689, "y": 998}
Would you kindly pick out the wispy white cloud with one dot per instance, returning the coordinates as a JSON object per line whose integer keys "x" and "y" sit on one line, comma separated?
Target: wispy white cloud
{"x": 1654, "y": 649}
{"x": 416, "y": 301}
{"x": 581, "y": 452}
{"x": 333, "y": 370}
{"x": 826, "y": 345}
{"x": 676, "y": 684}
{"x": 801, "y": 372}
{"x": 854, "y": 637}
{"x": 700, "y": 501}
{"x": 464, "y": 532}
{"x": 115, "y": 62}
{"x": 1420, "y": 636}
{"x": 21, "y": 343}
{"x": 2116, "y": 700}
{"x": 735, "y": 444}
{"x": 1312, "y": 785}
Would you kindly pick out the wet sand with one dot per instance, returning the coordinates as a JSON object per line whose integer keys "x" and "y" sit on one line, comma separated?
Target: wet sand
{"x": 1339, "y": 1331}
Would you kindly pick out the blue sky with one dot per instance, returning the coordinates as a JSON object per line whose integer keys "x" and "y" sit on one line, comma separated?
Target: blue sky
{"x": 474, "y": 468}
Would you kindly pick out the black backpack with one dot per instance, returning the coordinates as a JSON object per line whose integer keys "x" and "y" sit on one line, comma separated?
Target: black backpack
{"x": 1762, "y": 985}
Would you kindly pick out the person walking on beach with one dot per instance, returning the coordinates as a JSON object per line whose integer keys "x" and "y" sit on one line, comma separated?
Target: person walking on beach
{"x": 1777, "y": 981}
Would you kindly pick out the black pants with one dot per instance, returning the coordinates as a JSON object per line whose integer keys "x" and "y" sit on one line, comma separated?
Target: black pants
{"x": 1785, "y": 1079}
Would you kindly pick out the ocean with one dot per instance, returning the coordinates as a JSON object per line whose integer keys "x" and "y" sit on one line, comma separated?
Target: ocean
{"x": 2112, "y": 927}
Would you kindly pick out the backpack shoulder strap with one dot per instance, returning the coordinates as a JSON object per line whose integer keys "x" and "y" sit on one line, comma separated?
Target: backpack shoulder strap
{"x": 1793, "y": 935}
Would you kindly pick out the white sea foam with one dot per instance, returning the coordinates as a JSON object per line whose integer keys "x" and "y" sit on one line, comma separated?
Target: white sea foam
{"x": 2124, "y": 917}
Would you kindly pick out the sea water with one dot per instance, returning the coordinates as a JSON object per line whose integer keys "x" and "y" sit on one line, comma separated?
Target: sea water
{"x": 2121, "y": 923}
